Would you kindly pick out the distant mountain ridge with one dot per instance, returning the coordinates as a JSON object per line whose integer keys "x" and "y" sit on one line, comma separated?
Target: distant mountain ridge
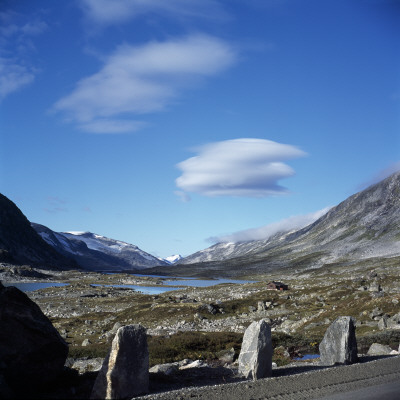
{"x": 96, "y": 252}
{"x": 364, "y": 226}
{"x": 173, "y": 259}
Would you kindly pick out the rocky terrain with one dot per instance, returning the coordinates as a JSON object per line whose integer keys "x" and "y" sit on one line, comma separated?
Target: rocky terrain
{"x": 185, "y": 323}
{"x": 366, "y": 225}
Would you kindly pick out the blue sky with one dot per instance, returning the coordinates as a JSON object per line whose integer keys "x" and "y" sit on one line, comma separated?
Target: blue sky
{"x": 165, "y": 124}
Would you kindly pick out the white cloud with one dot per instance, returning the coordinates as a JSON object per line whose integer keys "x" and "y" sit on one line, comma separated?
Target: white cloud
{"x": 13, "y": 76}
{"x": 144, "y": 79}
{"x": 239, "y": 167}
{"x": 293, "y": 223}
{"x": 107, "y": 12}
{"x": 16, "y": 68}
{"x": 112, "y": 126}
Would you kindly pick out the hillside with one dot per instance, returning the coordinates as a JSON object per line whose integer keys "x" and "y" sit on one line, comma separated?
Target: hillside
{"x": 364, "y": 226}
{"x": 96, "y": 252}
{"x": 20, "y": 244}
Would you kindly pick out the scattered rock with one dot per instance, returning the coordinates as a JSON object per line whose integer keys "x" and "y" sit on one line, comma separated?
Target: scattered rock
{"x": 375, "y": 287}
{"x": 376, "y": 312}
{"x": 194, "y": 364}
{"x": 211, "y": 308}
{"x": 165, "y": 369}
{"x": 394, "y": 322}
{"x": 255, "y": 359}
{"x": 198, "y": 317}
{"x": 378, "y": 349}
{"x": 125, "y": 371}
{"x": 87, "y": 365}
{"x": 32, "y": 352}
{"x": 261, "y": 306}
{"x": 339, "y": 345}
{"x": 86, "y": 342}
{"x": 382, "y": 324}
{"x": 111, "y": 333}
{"x": 226, "y": 356}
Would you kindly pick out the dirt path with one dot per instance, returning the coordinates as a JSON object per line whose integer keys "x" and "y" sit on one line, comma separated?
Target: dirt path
{"x": 307, "y": 385}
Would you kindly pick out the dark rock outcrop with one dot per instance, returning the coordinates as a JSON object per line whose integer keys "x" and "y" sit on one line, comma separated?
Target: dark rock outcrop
{"x": 20, "y": 244}
{"x": 32, "y": 353}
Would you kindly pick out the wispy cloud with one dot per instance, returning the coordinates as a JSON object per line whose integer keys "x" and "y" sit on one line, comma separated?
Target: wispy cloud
{"x": 56, "y": 205}
{"x": 16, "y": 33}
{"x": 13, "y": 76}
{"x": 264, "y": 232}
{"x": 239, "y": 167}
{"x": 391, "y": 169}
{"x": 143, "y": 79}
{"x": 183, "y": 197}
{"x": 106, "y": 12}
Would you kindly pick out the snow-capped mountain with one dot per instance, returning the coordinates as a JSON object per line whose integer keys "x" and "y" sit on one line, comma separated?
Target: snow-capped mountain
{"x": 364, "y": 226}
{"x": 96, "y": 252}
{"x": 173, "y": 259}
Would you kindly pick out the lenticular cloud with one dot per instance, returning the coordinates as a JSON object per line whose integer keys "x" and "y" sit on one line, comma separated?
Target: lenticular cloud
{"x": 239, "y": 167}
{"x": 136, "y": 80}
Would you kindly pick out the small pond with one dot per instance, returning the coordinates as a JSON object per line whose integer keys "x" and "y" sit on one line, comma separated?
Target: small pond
{"x": 142, "y": 289}
{"x": 307, "y": 357}
{"x": 30, "y": 286}
{"x": 173, "y": 284}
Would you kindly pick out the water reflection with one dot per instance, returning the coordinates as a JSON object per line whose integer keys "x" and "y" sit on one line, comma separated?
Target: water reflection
{"x": 30, "y": 286}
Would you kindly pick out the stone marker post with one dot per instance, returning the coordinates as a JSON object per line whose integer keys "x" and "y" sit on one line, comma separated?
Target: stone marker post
{"x": 125, "y": 371}
{"x": 255, "y": 358}
{"x": 339, "y": 345}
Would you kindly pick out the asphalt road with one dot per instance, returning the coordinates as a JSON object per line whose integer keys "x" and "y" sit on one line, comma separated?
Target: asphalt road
{"x": 388, "y": 391}
{"x": 367, "y": 378}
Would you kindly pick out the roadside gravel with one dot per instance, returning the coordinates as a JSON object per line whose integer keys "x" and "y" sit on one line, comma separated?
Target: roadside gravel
{"x": 314, "y": 384}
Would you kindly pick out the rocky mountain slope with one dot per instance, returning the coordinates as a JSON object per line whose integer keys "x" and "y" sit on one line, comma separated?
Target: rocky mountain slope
{"x": 20, "y": 244}
{"x": 366, "y": 225}
{"x": 96, "y": 252}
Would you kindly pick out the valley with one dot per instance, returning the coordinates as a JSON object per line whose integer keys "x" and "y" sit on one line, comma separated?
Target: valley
{"x": 369, "y": 291}
{"x": 346, "y": 263}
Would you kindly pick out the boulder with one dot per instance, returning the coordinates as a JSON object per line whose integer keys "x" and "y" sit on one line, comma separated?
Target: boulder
{"x": 125, "y": 370}
{"x": 261, "y": 306}
{"x": 339, "y": 345}
{"x": 255, "y": 358}
{"x": 32, "y": 352}
{"x": 382, "y": 324}
{"x": 394, "y": 322}
{"x": 226, "y": 356}
{"x": 378, "y": 349}
{"x": 165, "y": 369}
{"x": 83, "y": 365}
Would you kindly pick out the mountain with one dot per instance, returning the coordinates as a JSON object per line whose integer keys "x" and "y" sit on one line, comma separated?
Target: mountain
{"x": 226, "y": 251}
{"x": 20, "y": 244}
{"x": 96, "y": 252}
{"x": 173, "y": 259}
{"x": 365, "y": 226}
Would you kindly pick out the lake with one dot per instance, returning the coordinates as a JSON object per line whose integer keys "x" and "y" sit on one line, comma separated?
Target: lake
{"x": 172, "y": 284}
{"x": 192, "y": 282}
{"x": 30, "y": 286}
